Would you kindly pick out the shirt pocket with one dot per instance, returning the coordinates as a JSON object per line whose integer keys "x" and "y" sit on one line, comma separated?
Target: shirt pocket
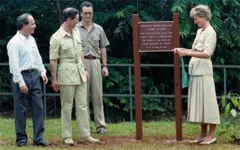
{"x": 67, "y": 51}
{"x": 67, "y": 73}
{"x": 95, "y": 40}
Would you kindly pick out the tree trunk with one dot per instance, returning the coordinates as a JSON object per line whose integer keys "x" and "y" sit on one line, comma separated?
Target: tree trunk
{"x": 59, "y": 11}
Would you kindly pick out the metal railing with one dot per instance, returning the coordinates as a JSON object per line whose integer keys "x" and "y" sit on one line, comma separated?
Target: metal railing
{"x": 131, "y": 95}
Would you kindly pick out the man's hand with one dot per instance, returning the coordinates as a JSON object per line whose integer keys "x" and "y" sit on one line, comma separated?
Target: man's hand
{"x": 44, "y": 78}
{"x": 24, "y": 90}
{"x": 55, "y": 85}
{"x": 105, "y": 71}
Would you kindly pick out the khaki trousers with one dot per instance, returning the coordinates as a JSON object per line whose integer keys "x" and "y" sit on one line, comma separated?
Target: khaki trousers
{"x": 95, "y": 90}
{"x": 67, "y": 94}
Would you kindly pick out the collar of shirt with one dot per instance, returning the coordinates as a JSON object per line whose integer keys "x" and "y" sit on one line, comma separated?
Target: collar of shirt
{"x": 22, "y": 37}
{"x": 80, "y": 24}
{"x": 63, "y": 32}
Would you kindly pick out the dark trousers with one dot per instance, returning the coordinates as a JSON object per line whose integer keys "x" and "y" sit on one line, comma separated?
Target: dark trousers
{"x": 21, "y": 104}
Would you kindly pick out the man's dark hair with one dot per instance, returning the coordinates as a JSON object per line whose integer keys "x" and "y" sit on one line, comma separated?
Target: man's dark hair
{"x": 21, "y": 20}
{"x": 86, "y": 4}
{"x": 69, "y": 12}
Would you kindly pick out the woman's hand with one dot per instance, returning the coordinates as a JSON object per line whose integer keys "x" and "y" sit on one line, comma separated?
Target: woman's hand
{"x": 181, "y": 52}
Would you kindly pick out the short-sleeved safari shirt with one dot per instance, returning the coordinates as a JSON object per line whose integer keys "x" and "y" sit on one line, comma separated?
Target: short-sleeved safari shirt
{"x": 68, "y": 50}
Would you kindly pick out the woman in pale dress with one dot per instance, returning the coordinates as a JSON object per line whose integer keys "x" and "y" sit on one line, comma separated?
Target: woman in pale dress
{"x": 202, "y": 101}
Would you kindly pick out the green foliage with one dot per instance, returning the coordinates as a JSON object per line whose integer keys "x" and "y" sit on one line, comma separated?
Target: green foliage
{"x": 45, "y": 18}
{"x": 231, "y": 115}
{"x": 124, "y": 26}
{"x": 153, "y": 105}
{"x": 116, "y": 18}
{"x": 119, "y": 83}
{"x": 5, "y": 80}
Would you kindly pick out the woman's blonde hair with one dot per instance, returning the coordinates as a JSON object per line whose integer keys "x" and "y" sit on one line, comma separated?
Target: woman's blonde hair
{"x": 201, "y": 11}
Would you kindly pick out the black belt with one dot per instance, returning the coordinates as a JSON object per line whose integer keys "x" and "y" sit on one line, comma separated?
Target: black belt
{"x": 90, "y": 57}
{"x": 29, "y": 70}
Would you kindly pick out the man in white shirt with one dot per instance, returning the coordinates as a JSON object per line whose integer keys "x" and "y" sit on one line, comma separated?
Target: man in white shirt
{"x": 26, "y": 68}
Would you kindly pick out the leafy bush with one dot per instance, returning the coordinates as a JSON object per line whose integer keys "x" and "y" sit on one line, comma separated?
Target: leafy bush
{"x": 231, "y": 115}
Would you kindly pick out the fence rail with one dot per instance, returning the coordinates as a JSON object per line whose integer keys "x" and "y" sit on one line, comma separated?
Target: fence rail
{"x": 131, "y": 95}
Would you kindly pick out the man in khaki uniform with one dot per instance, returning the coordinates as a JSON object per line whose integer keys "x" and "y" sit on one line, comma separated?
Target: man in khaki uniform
{"x": 94, "y": 42}
{"x": 69, "y": 75}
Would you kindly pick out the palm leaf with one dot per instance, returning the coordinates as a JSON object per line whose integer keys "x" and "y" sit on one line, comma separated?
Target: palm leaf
{"x": 125, "y": 12}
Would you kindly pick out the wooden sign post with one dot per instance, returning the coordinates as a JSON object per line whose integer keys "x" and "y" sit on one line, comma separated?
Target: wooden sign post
{"x": 160, "y": 36}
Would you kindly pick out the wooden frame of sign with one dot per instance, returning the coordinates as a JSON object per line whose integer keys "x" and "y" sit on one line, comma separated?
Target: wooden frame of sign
{"x": 160, "y": 36}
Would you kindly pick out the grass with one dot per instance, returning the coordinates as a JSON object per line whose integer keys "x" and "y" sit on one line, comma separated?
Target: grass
{"x": 156, "y": 135}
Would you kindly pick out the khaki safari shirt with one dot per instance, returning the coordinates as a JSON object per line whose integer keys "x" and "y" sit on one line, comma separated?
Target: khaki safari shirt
{"x": 92, "y": 41}
{"x": 68, "y": 50}
{"x": 205, "y": 41}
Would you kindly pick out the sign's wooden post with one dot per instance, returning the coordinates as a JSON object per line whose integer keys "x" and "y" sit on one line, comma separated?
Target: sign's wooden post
{"x": 177, "y": 79}
{"x": 137, "y": 77}
{"x": 158, "y": 36}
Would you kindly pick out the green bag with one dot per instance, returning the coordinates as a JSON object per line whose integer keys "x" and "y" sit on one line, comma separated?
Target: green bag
{"x": 184, "y": 75}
